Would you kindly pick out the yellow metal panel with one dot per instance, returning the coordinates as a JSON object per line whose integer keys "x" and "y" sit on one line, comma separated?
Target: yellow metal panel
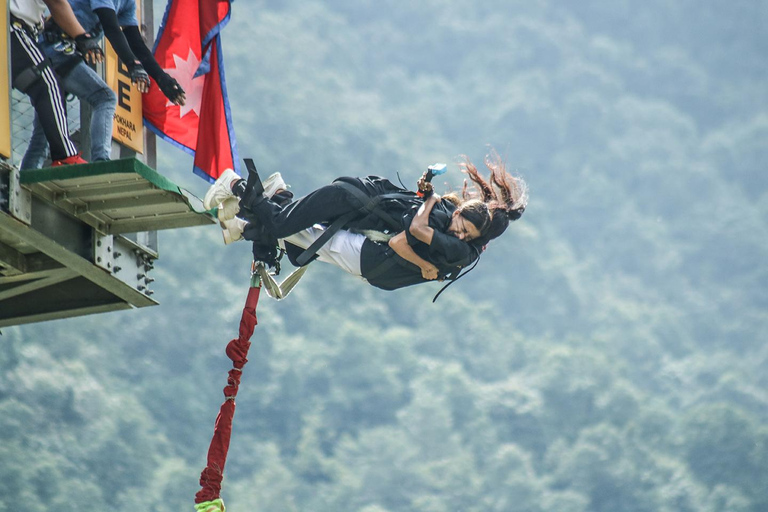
{"x": 5, "y": 93}
{"x": 128, "y": 128}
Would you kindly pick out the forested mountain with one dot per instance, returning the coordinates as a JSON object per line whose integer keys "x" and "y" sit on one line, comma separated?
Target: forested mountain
{"x": 607, "y": 354}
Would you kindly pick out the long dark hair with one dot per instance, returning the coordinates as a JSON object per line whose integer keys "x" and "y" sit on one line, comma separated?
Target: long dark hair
{"x": 505, "y": 195}
{"x": 478, "y": 213}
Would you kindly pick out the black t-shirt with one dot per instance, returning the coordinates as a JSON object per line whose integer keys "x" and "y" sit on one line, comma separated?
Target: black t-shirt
{"x": 446, "y": 252}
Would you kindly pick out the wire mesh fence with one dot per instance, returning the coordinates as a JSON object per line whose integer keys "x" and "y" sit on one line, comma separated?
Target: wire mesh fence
{"x": 22, "y": 123}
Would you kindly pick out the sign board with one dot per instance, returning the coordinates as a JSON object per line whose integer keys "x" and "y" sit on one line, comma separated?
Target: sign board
{"x": 5, "y": 93}
{"x": 128, "y": 127}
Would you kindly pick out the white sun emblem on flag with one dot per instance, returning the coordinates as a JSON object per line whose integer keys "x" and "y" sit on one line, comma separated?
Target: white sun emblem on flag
{"x": 193, "y": 87}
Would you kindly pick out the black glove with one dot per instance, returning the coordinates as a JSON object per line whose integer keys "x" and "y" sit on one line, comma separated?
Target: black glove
{"x": 170, "y": 87}
{"x": 265, "y": 246}
{"x": 138, "y": 76}
{"x": 266, "y": 251}
{"x": 90, "y": 48}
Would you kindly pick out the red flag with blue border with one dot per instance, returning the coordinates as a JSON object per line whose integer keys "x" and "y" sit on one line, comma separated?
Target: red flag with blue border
{"x": 188, "y": 48}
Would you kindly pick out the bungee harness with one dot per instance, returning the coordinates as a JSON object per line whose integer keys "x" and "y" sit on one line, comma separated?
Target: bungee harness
{"x": 28, "y": 77}
{"x": 369, "y": 205}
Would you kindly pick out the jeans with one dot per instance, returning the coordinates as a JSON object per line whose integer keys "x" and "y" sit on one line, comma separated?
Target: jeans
{"x": 88, "y": 86}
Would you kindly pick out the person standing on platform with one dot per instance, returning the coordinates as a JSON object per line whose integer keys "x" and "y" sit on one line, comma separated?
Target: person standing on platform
{"x": 31, "y": 72}
{"x": 115, "y": 19}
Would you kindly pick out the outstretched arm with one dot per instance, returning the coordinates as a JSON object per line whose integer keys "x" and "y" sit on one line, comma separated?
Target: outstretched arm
{"x": 399, "y": 244}
{"x": 167, "y": 84}
{"x": 113, "y": 32}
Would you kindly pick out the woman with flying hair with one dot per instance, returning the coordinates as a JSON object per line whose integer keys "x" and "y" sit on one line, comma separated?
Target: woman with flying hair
{"x": 435, "y": 237}
{"x": 505, "y": 195}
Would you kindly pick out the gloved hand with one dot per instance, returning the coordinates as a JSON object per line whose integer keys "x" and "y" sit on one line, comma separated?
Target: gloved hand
{"x": 139, "y": 76}
{"x": 90, "y": 48}
{"x": 266, "y": 252}
{"x": 425, "y": 188}
{"x": 265, "y": 246}
{"x": 172, "y": 90}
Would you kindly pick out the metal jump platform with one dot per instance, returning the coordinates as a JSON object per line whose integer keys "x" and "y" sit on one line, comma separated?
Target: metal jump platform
{"x": 82, "y": 239}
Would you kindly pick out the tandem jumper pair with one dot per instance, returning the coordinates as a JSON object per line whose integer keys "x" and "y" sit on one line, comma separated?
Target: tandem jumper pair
{"x": 373, "y": 206}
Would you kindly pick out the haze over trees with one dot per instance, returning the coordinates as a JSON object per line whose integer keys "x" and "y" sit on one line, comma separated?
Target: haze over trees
{"x": 607, "y": 354}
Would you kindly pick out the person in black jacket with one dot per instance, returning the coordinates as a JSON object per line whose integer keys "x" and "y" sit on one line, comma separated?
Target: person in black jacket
{"x": 435, "y": 238}
{"x": 370, "y": 204}
{"x": 507, "y": 199}
{"x": 386, "y": 266}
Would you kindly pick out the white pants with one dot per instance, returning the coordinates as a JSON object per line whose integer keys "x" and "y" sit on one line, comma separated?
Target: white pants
{"x": 343, "y": 249}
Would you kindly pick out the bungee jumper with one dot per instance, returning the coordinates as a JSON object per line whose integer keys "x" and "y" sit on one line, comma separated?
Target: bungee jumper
{"x": 369, "y": 227}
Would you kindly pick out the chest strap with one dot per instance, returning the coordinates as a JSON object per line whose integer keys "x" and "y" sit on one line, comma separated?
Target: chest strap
{"x": 372, "y": 204}
{"x": 29, "y": 77}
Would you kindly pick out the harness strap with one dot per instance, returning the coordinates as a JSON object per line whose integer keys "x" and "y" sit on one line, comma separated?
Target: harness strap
{"x": 27, "y": 78}
{"x": 371, "y": 204}
{"x": 20, "y": 24}
{"x": 459, "y": 274}
{"x": 53, "y": 33}
{"x": 368, "y": 205}
{"x": 392, "y": 259}
{"x": 331, "y": 230}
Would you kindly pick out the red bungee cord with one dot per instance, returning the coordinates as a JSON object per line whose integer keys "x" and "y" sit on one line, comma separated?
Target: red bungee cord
{"x": 208, "y": 498}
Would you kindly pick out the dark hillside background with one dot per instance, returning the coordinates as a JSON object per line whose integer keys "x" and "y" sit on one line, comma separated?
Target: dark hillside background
{"x": 608, "y": 354}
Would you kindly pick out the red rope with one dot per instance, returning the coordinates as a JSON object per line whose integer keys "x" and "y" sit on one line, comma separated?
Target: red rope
{"x": 237, "y": 351}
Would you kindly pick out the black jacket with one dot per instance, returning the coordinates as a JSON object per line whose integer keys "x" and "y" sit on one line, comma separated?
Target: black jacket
{"x": 384, "y": 269}
{"x": 391, "y": 201}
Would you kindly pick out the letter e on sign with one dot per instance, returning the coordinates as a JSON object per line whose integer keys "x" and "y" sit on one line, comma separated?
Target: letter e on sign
{"x": 127, "y": 126}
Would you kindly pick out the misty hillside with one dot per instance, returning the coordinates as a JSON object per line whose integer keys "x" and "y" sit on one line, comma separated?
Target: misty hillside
{"x": 607, "y": 354}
